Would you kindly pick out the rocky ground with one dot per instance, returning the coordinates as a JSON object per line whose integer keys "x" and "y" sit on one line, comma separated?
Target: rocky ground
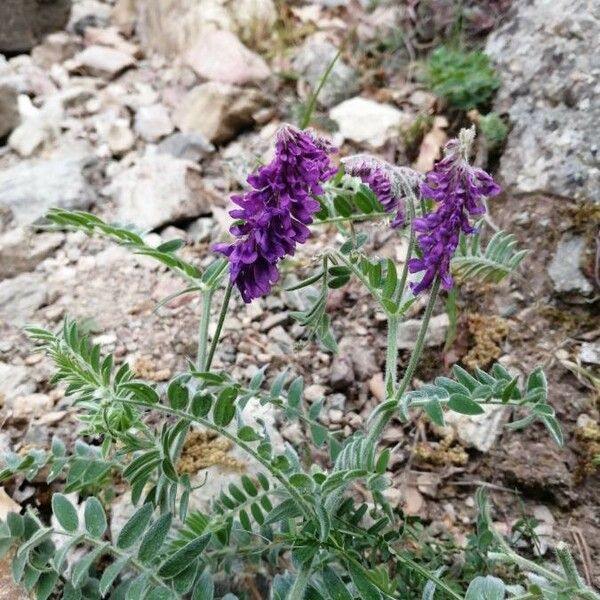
{"x": 153, "y": 115}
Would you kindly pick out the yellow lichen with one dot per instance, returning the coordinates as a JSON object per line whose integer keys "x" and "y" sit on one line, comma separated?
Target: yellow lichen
{"x": 487, "y": 332}
{"x": 442, "y": 453}
{"x": 203, "y": 449}
{"x": 588, "y": 437}
{"x": 145, "y": 368}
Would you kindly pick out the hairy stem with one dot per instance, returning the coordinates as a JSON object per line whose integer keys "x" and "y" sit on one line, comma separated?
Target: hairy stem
{"x": 301, "y": 582}
{"x": 217, "y": 335}
{"x": 385, "y": 416}
{"x": 391, "y": 357}
{"x": 203, "y": 329}
{"x": 410, "y": 250}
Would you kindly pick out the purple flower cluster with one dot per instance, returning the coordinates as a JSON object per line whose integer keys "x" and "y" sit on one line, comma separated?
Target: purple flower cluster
{"x": 459, "y": 189}
{"x": 273, "y": 216}
{"x": 380, "y": 182}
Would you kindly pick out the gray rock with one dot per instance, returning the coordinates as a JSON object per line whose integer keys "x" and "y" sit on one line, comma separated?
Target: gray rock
{"x": 29, "y": 189}
{"x": 550, "y": 92}
{"x": 22, "y": 22}
{"x": 203, "y": 230}
{"x": 361, "y": 355}
{"x": 158, "y": 190}
{"x": 20, "y": 297}
{"x": 217, "y": 110}
{"x": 14, "y": 381}
{"x": 312, "y": 60}
{"x": 9, "y": 109}
{"x": 341, "y": 375}
{"x": 565, "y": 268}
{"x": 152, "y": 123}
{"x": 21, "y": 251}
{"x": 436, "y": 334}
{"x": 191, "y": 146}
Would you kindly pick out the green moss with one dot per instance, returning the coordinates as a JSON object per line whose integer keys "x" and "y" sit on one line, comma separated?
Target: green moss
{"x": 465, "y": 80}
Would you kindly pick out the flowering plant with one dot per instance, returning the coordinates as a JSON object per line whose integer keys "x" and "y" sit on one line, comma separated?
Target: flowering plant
{"x": 299, "y": 523}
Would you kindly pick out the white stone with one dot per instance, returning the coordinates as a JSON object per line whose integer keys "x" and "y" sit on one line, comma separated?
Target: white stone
{"x": 152, "y": 123}
{"x": 101, "y": 61}
{"x": 28, "y": 137}
{"x": 590, "y": 353}
{"x": 365, "y": 121}
{"x": 478, "y": 431}
{"x": 119, "y": 137}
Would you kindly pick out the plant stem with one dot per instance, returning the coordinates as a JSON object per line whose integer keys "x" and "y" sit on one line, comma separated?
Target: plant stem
{"x": 369, "y": 217}
{"x": 217, "y": 335}
{"x": 307, "y": 116}
{"x": 410, "y": 250}
{"x": 298, "y": 590}
{"x": 384, "y": 417}
{"x": 391, "y": 357}
{"x": 415, "y": 357}
{"x": 207, "y": 295}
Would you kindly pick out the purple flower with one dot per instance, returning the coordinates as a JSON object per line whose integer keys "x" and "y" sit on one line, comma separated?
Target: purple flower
{"x": 273, "y": 216}
{"x": 459, "y": 189}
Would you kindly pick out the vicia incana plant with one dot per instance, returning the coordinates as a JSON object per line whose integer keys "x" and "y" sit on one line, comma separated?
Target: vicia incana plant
{"x": 302, "y": 525}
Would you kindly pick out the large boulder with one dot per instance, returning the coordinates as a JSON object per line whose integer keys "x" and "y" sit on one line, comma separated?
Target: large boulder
{"x": 23, "y": 22}
{"x": 172, "y": 27}
{"x": 158, "y": 190}
{"x": 218, "y": 111}
{"x": 545, "y": 52}
{"x": 311, "y": 62}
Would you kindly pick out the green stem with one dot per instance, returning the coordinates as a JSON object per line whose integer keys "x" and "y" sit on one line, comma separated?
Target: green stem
{"x": 420, "y": 343}
{"x": 391, "y": 357}
{"x": 217, "y": 335}
{"x": 362, "y": 278}
{"x": 207, "y": 295}
{"x": 298, "y": 590}
{"x": 305, "y": 122}
{"x": 368, "y": 217}
{"x": 385, "y": 416}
